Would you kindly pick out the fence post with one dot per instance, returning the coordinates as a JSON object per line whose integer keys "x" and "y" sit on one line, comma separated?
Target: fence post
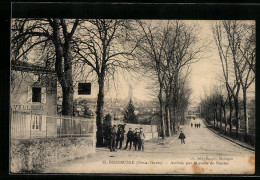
{"x": 151, "y": 127}
{"x": 94, "y": 133}
{"x": 46, "y": 128}
{"x": 71, "y": 126}
{"x": 80, "y": 127}
{"x": 11, "y": 124}
{"x": 60, "y": 125}
{"x": 31, "y": 125}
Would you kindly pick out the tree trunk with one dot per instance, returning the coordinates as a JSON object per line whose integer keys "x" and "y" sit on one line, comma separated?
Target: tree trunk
{"x": 168, "y": 121}
{"x": 63, "y": 67}
{"x": 67, "y": 102}
{"x": 217, "y": 116}
{"x": 215, "y": 119}
{"x": 170, "y": 106}
{"x": 245, "y": 112}
{"x": 174, "y": 119}
{"x": 220, "y": 116}
{"x": 183, "y": 117}
{"x": 225, "y": 119}
{"x": 230, "y": 115}
{"x": 67, "y": 109}
{"x": 161, "y": 112}
{"x": 167, "y": 113}
{"x": 171, "y": 119}
{"x": 174, "y": 102}
{"x": 100, "y": 109}
{"x": 236, "y": 114}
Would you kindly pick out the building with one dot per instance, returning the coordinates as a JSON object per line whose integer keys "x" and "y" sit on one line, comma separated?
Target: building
{"x": 39, "y": 137}
{"x": 193, "y": 111}
{"x": 33, "y": 101}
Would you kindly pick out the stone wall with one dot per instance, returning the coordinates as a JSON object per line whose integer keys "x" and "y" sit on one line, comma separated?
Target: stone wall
{"x": 32, "y": 155}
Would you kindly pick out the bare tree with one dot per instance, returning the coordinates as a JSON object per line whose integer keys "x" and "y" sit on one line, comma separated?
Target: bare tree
{"x": 150, "y": 55}
{"x": 166, "y": 48}
{"x": 248, "y": 47}
{"x": 236, "y": 45}
{"x": 232, "y": 85}
{"x": 243, "y": 53}
{"x": 101, "y": 48}
{"x": 35, "y": 34}
{"x": 180, "y": 51}
{"x": 211, "y": 105}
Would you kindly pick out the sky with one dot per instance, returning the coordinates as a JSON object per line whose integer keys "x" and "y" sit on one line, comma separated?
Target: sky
{"x": 203, "y": 75}
{"x": 205, "y": 71}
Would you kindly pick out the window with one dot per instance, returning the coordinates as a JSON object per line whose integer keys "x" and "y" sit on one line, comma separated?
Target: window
{"x": 36, "y": 94}
{"x": 84, "y": 88}
{"x": 36, "y": 122}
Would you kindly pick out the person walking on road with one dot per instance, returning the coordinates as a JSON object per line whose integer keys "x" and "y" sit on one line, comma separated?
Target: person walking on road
{"x": 199, "y": 125}
{"x": 129, "y": 138}
{"x": 191, "y": 125}
{"x": 182, "y": 137}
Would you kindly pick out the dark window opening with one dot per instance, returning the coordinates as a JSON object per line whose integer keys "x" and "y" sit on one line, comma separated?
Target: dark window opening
{"x": 36, "y": 94}
{"x": 84, "y": 89}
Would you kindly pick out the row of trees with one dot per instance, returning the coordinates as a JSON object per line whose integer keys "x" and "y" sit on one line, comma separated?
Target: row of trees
{"x": 163, "y": 50}
{"x": 236, "y": 44}
{"x": 96, "y": 44}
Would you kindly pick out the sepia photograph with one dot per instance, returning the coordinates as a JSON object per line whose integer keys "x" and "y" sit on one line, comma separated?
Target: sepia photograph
{"x": 132, "y": 96}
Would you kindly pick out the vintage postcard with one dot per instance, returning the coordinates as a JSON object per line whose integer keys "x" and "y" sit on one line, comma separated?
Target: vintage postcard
{"x": 132, "y": 96}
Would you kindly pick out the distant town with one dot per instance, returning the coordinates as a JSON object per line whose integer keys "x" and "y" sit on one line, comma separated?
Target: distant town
{"x": 115, "y": 107}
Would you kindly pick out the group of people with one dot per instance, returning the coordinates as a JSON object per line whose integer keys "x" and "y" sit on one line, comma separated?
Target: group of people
{"x": 116, "y": 138}
{"x": 196, "y": 125}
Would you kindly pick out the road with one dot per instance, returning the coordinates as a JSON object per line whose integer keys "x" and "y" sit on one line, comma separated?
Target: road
{"x": 204, "y": 153}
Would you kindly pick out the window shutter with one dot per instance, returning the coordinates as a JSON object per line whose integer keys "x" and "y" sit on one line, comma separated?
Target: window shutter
{"x": 29, "y": 94}
{"x": 43, "y": 95}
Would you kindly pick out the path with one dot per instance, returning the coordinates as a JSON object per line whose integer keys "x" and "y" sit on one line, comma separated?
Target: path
{"x": 202, "y": 146}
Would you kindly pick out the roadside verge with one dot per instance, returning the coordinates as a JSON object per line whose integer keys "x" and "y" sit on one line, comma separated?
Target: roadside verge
{"x": 235, "y": 141}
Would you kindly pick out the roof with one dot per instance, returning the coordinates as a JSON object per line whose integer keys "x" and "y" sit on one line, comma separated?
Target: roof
{"x": 30, "y": 67}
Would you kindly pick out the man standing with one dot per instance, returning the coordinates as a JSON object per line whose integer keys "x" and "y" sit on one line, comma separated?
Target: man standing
{"x": 191, "y": 125}
{"x": 130, "y": 138}
{"x": 182, "y": 137}
{"x": 112, "y": 138}
{"x": 120, "y": 136}
{"x": 136, "y": 134}
{"x": 141, "y": 140}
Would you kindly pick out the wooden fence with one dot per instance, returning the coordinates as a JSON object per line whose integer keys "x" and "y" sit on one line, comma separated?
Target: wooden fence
{"x": 26, "y": 125}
